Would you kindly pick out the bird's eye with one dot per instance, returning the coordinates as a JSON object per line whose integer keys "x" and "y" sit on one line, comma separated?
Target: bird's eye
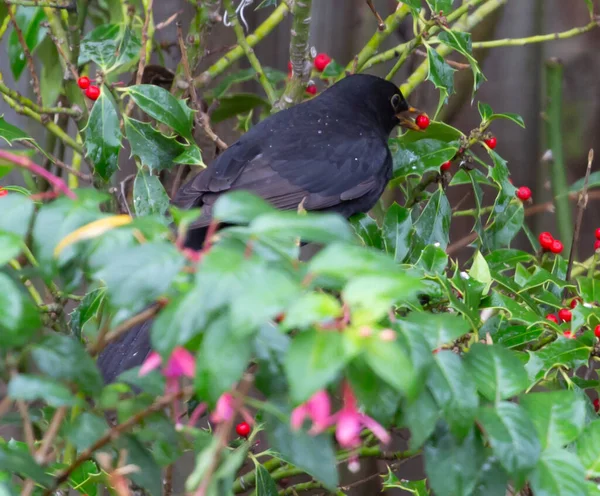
{"x": 395, "y": 101}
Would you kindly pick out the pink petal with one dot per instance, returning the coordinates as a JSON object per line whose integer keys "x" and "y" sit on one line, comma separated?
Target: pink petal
{"x": 224, "y": 409}
{"x": 319, "y": 408}
{"x": 376, "y": 428}
{"x": 348, "y": 430}
{"x": 349, "y": 397}
{"x": 181, "y": 362}
{"x": 152, "y": 362}
{"x": 297, "y": 417}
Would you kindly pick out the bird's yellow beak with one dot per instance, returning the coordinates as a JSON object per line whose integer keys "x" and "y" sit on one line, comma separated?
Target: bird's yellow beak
{"x": 406, "y": 118}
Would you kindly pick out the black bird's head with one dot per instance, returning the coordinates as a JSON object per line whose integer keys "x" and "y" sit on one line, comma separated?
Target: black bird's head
{"x": 375, "y": 99}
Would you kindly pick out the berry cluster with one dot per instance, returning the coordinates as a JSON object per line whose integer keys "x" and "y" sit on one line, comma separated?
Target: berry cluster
{"x": 90, "y": 90}
{"x": 548, "y": 243}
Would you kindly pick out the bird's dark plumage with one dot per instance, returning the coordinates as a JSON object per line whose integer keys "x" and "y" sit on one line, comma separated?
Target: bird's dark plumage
{"x": 329, "y": 153}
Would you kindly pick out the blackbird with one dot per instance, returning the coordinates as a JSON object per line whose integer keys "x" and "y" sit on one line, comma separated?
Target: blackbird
{"x": 328, "y": 154}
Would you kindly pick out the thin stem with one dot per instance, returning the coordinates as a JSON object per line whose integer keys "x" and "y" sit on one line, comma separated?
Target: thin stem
{"x": 28, "y": 164}
{"x": 27, "y": 428}
{"x": 15, "y": 95}
{"x": 301, "y": 66}
{"x": 236, "y": 53}
{"x": 51, "y": 433}
{"x": 558, "y": 174}
{"x": 42, "y": 3}
{"x": 250, "y": 55}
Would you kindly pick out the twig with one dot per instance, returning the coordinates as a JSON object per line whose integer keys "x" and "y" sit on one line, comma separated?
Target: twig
{"x": 28, "y": 57}
{"x": 250, "y": 55}
{"x": 380, "y": 21}
{"x": 61, "y": 164}
{"x": 452, "y": 63}
{"x": 27, "y": 163}
{"x": 168, "y": 21}
{"x": 301, "y": 68}
{"x": 123, "y": 328}
{"x": 71, "y": 6}
{"x": 233, "y": 55}
{"x": 27, "y": 428}
{"x": 115, "y": 432}
{"x": 59, "y": 48}
{"x": 581, "y": 205}
{"x": 51, "y": 433}
{"x": 72, "y": 111}
{"x": 200, "y": 116}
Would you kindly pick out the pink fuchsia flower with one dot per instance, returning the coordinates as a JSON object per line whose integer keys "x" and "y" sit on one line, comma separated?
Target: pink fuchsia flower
{"x": 350, "y": 421}
{"x": 317, "y": 408}
{"x": 225, "y": 409}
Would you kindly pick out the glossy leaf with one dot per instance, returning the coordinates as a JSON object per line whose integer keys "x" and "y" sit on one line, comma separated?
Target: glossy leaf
{"x": 20, "y": 462}
{"x": 498, "y": 373}
{"x": 558, "y": 473}
{"x": 311, "y": 308}
{"x": 440, "y": 73}
{"x": 433, "y": 224}
{"x": 10, "y": 247}
{"x": 10, "y": 133}
{"x": 240, "y": 207}
{"x": 149, "y": 195}
{"x": 32, "y": 388}
{"x": 415, "y": 158}
{"x": 437, "y": 329}
{"x": 29, "y": 20}
{"x": 397, "y": 225}
{"x": 154, "y": 149}
{"x": 19, "y": 317}
{"x": 390, "y": 363}
{"x": 85, "y": 430}
{"x": 103, "y": 137}
{"x": 588, "y": 449}
{"x": 159, "y": 104}
{"x": 421, "y": 416}
{"x": 565, "y": 353}
{"x": 110, "y": 46}
{"x": 367, "y": 230}
{"x": 240, "y": 103}
{"x": 265, "y": 485}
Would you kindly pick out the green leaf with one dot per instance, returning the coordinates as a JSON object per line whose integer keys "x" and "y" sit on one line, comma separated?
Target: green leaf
{"x": 86, "y": 310}
{"x": 110, "y": 46}
{"x": 240, "y": 207}
{"x": 440, "y": 6}
{"x": 10, "y": 133}
{"x": 513, "y": 439}
{"x": 505, "y": 227}
{"x": 498, "y": 373}
{"x": 153, "y": 148}
{"x": 314, "y": 359}
{"x": 149, "y": 195}
{"x": 589, "y": 289}
{"x": 480, "y": 271}
{"x": 588, "y": 449}
{"x": 138, "y": 275}
{"x": 455, "y": 393}
{"x": 485, "y": 111}
{"x": 565, "y": 353}
{"x": 85, "y": 478}
{"x": 415, "y": 158}
{"x": 314, "y": 454}
{"x": 64, "y": 358}
{"x": 433, "y": 225}
{"x": 17, "y": 211}
{"x": 437, "y": 329}
{"x": 433, "y": 260}
{"x": 311, "y": 308}
{"x": 85, "y": 430}
{"x": 19, "y": 462}
{"x": 32, "y": 388}
{"x": 440, "y": 73}
{"x": 216, "y": 371}
{"x": 240, "y": 103}
{"x": 19, "y": 318}
{"x": 317, "y": 228}
{"x": 367, "y": 230}
{"x": 487, "y": 115}
{"x": 594, "y": 182}
{"x": 10, "y": 247}
{"x": 333, "y": 69}
{"x": 265, "y": 485}
{"x": 558, "y": 473}
{"x": 461, "y": 42}
{"x": 389, "y": 361}
{"x": 51, "y": 76}
{"x": 159, "y": 104}
{"x": 103, "y": 137}
{"x": 452, "y": 465}
{"x": 150, "y": 475}
{"x": 29, "y": 20}
{"x": 191, "y": 155}
{"x": 397, "y": 225}
{"x": 559, "y": 416}
{"x": 421, "y": 416}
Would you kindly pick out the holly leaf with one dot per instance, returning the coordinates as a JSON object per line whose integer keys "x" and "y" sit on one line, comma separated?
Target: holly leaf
{"x": 149, "y": 195}
{"x": 558, "y": 473}
{"x": 10, "y": 133}
{"x": 440, "y": 73}
{"x": 29, "y": 21}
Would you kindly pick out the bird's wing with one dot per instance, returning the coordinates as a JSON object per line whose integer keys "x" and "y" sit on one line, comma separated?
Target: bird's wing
{"x": 319, "y": 173}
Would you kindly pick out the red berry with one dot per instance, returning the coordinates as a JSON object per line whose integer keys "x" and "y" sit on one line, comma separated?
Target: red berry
{"x": 574, "y": 302}
{"x": 523, "y": 193}
{"x": 243, "y": 429}
{"x": 290, "y": 66}
{"x": 3, "y": 192}
{"x": 556, "y": 247}
{"x": 446, "y": 166}
{"x": 311, "y": 89}
{"x": 546, "y": 240}
{"x": 568, "y": 335}
{"x": 93, "y": 92}
{"x": 597, "y": 331}
{"x": 552, "y": 317}
{"x": 491, "y": 142}
{"x": 321, "y": 61}
{"x": 565, "y": 315}
{"x": 422, "y": 121}
{"x": 83, "y": 82}
{"x": 598, "y": 233}
{"x": 597, "y": 405}
{"x": 597, "y": 245}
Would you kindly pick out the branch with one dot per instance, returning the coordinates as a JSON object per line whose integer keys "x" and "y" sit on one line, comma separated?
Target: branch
{"x": 51, "y": 433}
{"x": 28, "y": 164}
{"x": 59, "y": 163}
{"x": 298, "y": 56}
{"x": 71, "y": 6}
{"x": 115, "y": 432}
{"x": 250, "y": 55}
{"x": 15, "y": 95}
{"x": 581, "y": 204}
{"x": 233, "y": 55}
